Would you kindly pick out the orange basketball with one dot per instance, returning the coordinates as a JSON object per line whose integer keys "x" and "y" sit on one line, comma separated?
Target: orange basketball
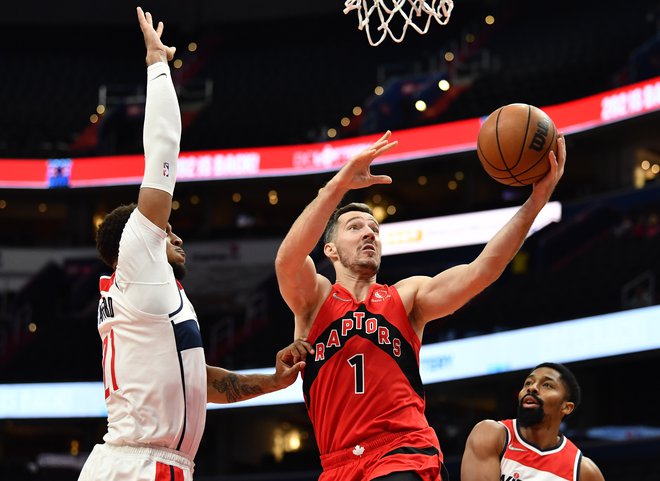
{"x": 514, "y": 143}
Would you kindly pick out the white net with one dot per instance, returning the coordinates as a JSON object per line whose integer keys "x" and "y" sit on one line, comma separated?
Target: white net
{"x": 380, "y": 18}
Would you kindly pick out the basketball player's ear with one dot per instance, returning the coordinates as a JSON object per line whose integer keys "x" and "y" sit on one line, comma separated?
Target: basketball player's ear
{"x": 567, "y": 408}
{"x": 330, "y": 250}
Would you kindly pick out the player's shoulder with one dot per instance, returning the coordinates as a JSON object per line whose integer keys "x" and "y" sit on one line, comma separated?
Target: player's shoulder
{"x": 138, "y": 218}
{"x": 324, "y": 288}
{"x": 490, "y": 426}
{"x": 307, "y": 308}
{"x": 323, "y": 284}
{"x": 488, "y": 429}
{"x": 487, "y": 436}
{"x": 589, "y": 471}
{"x": 408, "y": 289}
{"x": 411, "y": 284}
{"x": 412, "y": 280}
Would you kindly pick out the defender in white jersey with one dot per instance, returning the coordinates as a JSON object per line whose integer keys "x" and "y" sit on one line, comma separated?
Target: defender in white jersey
{"x": 531, "y": 447}
{"x": 157, "y": 383}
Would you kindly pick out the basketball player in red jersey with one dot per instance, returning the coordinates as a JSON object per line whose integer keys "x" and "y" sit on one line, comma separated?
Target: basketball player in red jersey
{"x": 157, "y": 383}
{"x": 531, "y": 447}
{"x": 362, "y": 385}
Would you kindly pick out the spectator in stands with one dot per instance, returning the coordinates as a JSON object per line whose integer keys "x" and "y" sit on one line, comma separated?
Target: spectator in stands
{"x": 653, "y": 225}
{"x": 157, "y": 383}
{"x": 362, "y": 384}
{"x": 531, "y": 446}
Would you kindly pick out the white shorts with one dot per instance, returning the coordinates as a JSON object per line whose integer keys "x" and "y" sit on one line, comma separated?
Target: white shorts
{"x": 129, "y": 463}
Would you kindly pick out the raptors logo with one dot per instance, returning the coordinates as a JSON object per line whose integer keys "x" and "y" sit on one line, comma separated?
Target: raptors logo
{"x": 380, "y": 295}
{"x": 353, "y": 325}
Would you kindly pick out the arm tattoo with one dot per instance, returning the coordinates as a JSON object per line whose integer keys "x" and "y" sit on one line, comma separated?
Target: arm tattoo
{"x": 234, "y": 389}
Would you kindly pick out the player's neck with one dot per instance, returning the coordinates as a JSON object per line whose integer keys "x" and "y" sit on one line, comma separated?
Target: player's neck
{"x": 543, "y": 435}
{"x": 357, "y": 285}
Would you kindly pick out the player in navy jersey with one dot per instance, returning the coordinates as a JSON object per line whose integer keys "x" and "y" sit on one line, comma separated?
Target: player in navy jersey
{"x": 362, "y": 385}
{"x": 531, "y": 447}
{"x": 157, "y": 383}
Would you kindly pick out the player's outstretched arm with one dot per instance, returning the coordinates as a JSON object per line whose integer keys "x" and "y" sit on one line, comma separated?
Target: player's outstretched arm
{"x": 448, "y": 291}
{"x": 227, "y": 387}
{"x": 296, "y": 273}
{"x": 481, "y": 458}
{"x": 162, "y": 126}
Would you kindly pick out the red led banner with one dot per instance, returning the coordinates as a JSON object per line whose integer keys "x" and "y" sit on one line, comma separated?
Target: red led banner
{"x": 569, "y": 117}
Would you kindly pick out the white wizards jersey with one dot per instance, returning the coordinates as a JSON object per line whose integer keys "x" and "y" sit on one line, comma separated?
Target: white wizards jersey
{"x": 154, "y": 369}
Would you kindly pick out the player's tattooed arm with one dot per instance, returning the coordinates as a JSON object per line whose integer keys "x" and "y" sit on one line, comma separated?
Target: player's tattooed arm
{"x": 237, "y": 388}
{"x": 227, "y": 387}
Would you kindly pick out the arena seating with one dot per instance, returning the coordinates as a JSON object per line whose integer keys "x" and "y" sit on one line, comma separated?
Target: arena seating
{"x": 288, "y": 81}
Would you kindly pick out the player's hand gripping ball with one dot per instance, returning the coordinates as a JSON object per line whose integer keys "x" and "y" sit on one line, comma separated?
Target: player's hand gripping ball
{"x": 514, "y": 144}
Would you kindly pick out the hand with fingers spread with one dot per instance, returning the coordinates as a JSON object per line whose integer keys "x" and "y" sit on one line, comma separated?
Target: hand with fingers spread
{"x": 156, "y": 50}
{"x": 295, "y": 269}
{"x": 356, "y": 173}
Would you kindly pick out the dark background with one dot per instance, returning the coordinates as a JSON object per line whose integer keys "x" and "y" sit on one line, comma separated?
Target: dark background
{"x": 268, "y": 73}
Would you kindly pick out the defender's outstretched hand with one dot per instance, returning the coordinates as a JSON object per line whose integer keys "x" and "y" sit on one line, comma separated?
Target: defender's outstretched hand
{"x": 156, "y": 50}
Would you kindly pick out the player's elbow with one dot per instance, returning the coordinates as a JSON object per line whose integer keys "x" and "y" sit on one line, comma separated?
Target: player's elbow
{"x": 485, "y": 271}
{"x": 168, "y": 142}
{"x": 282, "y": 263}
{"x": 286, "y": 264}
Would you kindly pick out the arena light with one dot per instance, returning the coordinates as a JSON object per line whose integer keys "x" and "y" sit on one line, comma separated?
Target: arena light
{"x": 456, "y": 230}
{"x": 569, "y": 341}
{"x": 289, "y": 160}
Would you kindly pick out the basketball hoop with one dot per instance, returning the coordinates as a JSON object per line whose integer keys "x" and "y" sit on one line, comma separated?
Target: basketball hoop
{"x": 408, "y": 13}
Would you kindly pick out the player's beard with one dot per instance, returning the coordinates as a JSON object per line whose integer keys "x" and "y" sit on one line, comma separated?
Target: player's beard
{"x": 367, "y": 267}
{"x": 179, "y": 270}
{"x": 530, "y": 416}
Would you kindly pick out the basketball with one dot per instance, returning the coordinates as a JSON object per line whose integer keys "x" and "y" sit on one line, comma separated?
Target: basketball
{"x": 514, "y": 143}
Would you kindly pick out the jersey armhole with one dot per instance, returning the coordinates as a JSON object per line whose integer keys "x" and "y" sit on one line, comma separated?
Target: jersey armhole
{"x": 507, "y": 438}
{"x": 312, "y": 330}
{"x": 410, "y": 331}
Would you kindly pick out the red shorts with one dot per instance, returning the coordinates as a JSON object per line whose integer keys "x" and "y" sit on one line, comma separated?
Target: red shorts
{"x": 416, "y": 451}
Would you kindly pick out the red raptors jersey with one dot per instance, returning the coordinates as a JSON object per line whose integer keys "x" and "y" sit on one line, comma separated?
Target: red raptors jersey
{"x": 521, "y": 461}
{"x": 363, "y": 380}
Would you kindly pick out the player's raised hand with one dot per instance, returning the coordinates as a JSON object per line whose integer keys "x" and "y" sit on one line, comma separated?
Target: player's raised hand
{"x": 547, "y": 184}
{"x": 156, "y": 50}
{"x": 356, "y": 173}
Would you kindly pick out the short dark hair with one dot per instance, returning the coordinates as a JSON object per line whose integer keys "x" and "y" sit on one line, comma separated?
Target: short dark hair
{"x": 109, "y": 233}
{"x": 331, "y": 227}
{"x": 569, "y": 380}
